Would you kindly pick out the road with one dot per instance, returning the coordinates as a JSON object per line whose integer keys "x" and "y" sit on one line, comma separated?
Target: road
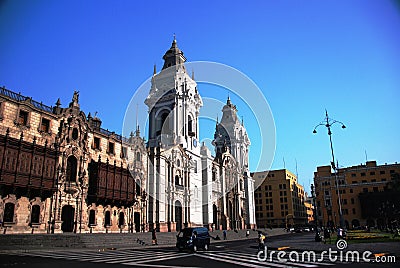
{"x": 241, "y": 253}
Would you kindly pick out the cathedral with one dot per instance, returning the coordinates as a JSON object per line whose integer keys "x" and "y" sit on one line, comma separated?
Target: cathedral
{"x": 60, "y": 171}
{"x": 187, "y": 185}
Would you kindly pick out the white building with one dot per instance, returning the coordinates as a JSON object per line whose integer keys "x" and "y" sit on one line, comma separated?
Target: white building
{"x": 187, "y": 186}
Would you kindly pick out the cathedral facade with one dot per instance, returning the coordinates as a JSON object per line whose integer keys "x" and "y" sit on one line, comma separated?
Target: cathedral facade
{"x": 187, "y": 185}
{"x": 60, "y": 171}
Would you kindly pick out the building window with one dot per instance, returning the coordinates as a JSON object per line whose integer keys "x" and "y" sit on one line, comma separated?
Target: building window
{"x": 92, "y": 217}
{"x": 362, "y": 174}
{"x": 382, "y": 172}
{"x": 351, "y": 191}
{"x": 124, "y": 152}
{"x": 354, "y": 211}
{"x": 137, "y": 156}
{"x": 365, "y": 190}
{"x": 111, "y": 149}
{"x": 96, "y": 143}
{"x": 353, "y": 175}
{"x": 375, "y": 189}
{"x": 107, "y": 219}
{"x": 72, "y": 168}
{"x": 372, "y": 173}
{"x": 23, "y": 118}
{"x": 35, "y": 214}
{"x": 177, "y": 180}
{"x": 45, "y": 125}
{"x": 75, "y": 134}
{"x": 190, "y": 126}
{"x": 352, "y": 201}
{"x": 121, "y": 221}
{"x": 9, "y": 213}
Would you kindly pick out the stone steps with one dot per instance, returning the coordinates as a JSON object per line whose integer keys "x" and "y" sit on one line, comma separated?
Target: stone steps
{"x": 103, "y": 241}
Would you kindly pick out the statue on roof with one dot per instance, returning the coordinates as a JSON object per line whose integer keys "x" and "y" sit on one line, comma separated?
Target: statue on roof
{"x": 75, "y": 98}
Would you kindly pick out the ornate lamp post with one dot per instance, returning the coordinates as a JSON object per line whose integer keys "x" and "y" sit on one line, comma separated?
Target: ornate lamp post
{"x": 328, "y": 122}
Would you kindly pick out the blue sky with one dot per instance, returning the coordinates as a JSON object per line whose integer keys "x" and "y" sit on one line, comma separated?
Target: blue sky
{"x": 306, "y": 56}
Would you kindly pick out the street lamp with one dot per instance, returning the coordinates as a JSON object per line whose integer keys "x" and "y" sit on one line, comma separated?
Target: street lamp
{"x": 328, "y": 122}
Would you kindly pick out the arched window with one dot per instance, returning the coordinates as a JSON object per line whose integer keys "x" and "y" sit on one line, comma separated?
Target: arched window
{"x": 177, "y": 180}
{"x": 162, "y": 123}
{"x": 35, "y": 214}
{"x": 9, "y": 212}
{"x": 107, "y": 218}
{"x": 137, "y": 156}
{"x": 72, "y": 165}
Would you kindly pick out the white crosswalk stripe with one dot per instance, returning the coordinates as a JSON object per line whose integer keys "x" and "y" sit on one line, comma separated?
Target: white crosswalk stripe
{"x": 147, "y": 258}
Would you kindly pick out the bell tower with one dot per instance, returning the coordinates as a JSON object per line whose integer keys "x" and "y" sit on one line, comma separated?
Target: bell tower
{"x": 175, "y": 177}
{"x": 230, "y": 134}
{"x": 174, "y": 103}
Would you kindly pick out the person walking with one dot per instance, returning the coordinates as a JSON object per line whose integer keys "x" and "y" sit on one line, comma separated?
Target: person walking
{"x": 327, "y": 235}
{"x": 154, "y": 237}
{"x": 261, "y": 241}
{"x": 224, "y": 233}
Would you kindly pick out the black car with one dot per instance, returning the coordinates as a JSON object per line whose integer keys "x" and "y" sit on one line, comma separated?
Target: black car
{"x": 193, "y": 239}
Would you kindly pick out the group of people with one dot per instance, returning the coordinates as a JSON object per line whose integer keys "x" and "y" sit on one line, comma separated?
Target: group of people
{"x": 326, "y": 234}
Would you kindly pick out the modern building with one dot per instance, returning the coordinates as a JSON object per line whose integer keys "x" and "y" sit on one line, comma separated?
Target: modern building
{"x": 61, "y": 172}
{"x": 309, "y": 205}
{"x": 279, "y": 199}
{"x": 353, "y": 183}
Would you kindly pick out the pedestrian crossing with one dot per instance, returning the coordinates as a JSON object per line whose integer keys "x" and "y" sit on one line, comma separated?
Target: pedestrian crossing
{"x": 156, "y": 257}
